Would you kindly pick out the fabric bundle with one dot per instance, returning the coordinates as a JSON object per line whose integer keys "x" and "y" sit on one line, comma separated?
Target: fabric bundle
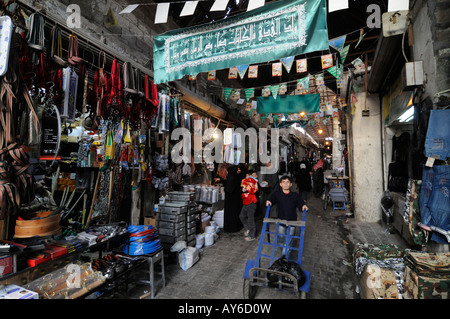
{"x": 383, "y": 256}
{"x": 427, "y": 275}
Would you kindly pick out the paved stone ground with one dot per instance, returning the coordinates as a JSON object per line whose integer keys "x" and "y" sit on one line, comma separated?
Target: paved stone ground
{"x": 330, "y": 238}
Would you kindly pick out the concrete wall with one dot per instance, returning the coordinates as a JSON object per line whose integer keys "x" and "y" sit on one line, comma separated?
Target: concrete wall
{"x": 431, "y": 26}
{"x": 366, "y": 159}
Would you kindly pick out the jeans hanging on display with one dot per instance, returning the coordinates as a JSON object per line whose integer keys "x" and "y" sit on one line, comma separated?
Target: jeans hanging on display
{"x": 435, "y": 199}
{"x": 437, "y": 141}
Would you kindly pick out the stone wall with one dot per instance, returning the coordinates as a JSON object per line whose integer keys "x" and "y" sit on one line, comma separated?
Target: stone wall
{"x": 132, "y": 37}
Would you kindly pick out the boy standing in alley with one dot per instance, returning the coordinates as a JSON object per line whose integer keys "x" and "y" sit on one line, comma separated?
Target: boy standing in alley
{"x": 287, "y": 202}
{"x": 249, "y": 188}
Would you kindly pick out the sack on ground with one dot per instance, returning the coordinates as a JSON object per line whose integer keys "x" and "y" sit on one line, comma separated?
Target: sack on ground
{"x": 289, "y": 267}
{"x": 188, "y": 257}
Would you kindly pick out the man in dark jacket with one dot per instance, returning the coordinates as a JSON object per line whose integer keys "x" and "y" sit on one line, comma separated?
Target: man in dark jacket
{"x": 287, "y": 204}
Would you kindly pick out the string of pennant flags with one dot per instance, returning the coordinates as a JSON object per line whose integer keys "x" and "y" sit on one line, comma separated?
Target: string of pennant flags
{"x": 327, "y": 111}
{"x": 301, "y": 67}
{"x": 162, "y": 9}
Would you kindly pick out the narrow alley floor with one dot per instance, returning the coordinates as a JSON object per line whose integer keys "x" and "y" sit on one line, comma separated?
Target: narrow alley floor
{"x": 330, "y": 238}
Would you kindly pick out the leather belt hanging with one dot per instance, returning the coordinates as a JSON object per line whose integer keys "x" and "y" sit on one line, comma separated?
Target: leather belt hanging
{"x": 129, "y": 85}
{"x": 72, "y": 55}
{"x": 56, "y": 49}
{"x": 36, "y": 34}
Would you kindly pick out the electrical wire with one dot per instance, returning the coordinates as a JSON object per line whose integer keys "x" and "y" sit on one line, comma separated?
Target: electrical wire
{"x": 144, "y": 239}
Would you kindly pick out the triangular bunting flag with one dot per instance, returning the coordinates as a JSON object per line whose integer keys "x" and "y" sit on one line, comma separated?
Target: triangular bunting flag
{"x": 361, "y": 36}
{"x": 287, "y": 62}
{"x": 274, "y": 89}
{"x": 226, "y": 93}
{"x": 334, "y": 70}
{"x": 338, "y": 43}
{"x": 249, "y": 93}
{"x": 343, "y": 53}
{"x": 242, "y": 69}
{"x": 303, "y": 84}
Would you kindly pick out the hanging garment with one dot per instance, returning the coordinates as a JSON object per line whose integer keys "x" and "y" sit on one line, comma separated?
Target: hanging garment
{"x": 435, "y": 200}
{"x": 116, "y": 84}
{"x": 437, "y": 142}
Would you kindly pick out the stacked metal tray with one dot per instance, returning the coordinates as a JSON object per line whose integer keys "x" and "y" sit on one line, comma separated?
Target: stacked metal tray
{"x": 177, "y": 218}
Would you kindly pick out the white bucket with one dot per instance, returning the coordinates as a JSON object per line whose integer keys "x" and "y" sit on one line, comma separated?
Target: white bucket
{"x": 209, "y": 239}
{"x": 210, "y": 229}
{"x": 218, "y": 218}
{"x": 199, "y": 241}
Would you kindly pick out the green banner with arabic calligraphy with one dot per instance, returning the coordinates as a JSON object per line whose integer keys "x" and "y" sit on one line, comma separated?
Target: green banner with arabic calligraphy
{"x": 309, "y": 103}
{"x": 274, "y": 31}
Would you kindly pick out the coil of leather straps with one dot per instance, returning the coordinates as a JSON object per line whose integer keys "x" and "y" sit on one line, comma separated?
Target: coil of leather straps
{"x": 21, "y": 178}
{"x": 56, "y": 49}
{"x": 9, "y": 197}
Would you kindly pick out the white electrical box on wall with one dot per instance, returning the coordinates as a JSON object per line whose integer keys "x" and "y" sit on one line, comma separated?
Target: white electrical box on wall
{"x": 394, "y": 23}
{"x": 412, "y": 75}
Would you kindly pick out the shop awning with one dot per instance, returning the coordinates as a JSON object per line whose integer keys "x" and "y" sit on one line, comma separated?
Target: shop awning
{"x": 308, "y": 103}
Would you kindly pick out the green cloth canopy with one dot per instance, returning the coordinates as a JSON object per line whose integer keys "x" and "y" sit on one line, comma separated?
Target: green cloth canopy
{"x": 274, "y": 31}
{"x": 308, "y": 103}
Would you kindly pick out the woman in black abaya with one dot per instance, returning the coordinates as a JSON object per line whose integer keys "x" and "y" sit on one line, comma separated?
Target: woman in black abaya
{"x": 233, "y": 200}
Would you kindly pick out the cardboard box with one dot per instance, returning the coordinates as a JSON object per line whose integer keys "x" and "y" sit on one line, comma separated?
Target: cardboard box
{"x": 150, "y": 221}
{"x": 378, "y": 283}
{"x": 17, "y": 292}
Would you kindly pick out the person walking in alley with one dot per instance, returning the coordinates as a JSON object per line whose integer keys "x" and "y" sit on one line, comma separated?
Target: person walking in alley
{"x": 287, "y": 203}
{"x": 249, "y": 188}
{"x": 303, "y": 180}
{"x": 270, "y": 183}
{"x": 233, "y": 201}
{"x": 318, "y": 178}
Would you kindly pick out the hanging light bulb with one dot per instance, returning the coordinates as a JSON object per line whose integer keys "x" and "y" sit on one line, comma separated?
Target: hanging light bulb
{"x": 320, "y": 131}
